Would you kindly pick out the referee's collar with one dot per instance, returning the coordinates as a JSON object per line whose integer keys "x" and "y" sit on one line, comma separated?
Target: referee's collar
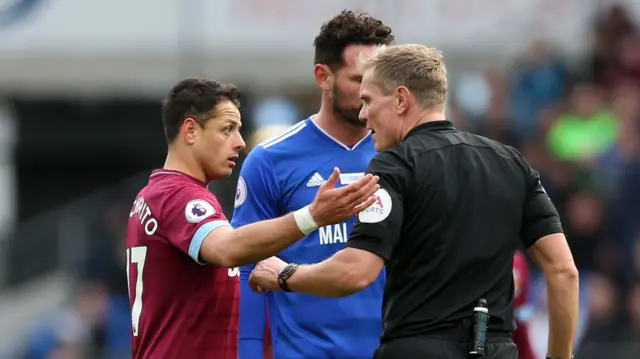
{"x": 441, "y": 125}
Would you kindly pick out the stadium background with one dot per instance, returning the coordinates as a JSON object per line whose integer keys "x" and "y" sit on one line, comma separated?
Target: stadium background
{"x": 81, "y": 81}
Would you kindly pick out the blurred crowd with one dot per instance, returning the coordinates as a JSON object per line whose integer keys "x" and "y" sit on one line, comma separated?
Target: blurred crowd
{"x": 577, "y": 122}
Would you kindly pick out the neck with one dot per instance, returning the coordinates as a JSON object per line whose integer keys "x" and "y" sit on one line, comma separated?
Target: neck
{"x": 342, "y": 131}
{"x": 177, "y": 160}
{"x": 423, "y": 117}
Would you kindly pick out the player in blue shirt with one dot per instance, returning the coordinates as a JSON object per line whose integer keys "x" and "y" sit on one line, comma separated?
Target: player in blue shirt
{"x": 283, "y": 174}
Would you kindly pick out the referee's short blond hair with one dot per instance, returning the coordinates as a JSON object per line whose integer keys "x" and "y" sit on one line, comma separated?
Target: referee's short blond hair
{"x": 419, "y": 68}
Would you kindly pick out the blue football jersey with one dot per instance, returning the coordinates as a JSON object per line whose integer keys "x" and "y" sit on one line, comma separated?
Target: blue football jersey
{"x": 279, "y": 176}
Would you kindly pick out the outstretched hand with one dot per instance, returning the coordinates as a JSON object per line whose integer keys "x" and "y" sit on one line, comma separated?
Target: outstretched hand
{"x": 334, "y": 205}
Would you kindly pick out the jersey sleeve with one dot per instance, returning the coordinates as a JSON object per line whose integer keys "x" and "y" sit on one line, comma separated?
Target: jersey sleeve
{"x": 257, "y": 199}
{"x": 377, "y": 228}
{"x": 540, "y": 217}
{"x": 189, "y": 215}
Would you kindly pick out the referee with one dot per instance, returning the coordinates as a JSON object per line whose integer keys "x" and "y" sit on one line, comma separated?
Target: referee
{"x": 450, "y": 213}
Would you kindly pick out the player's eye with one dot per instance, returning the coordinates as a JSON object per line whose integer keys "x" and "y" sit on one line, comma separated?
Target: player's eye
{"x": 228, "y": 129}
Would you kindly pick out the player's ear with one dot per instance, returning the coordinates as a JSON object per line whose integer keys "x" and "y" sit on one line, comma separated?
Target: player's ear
{"x": 189, "y": 132}
{"x": 323, "y": 75}
{"x": 402, "y": 97}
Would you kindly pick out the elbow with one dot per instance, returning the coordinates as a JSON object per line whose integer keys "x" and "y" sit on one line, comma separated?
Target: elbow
{"x": 566, "y": 274}
{"x": 354, "y": 282}
{"x": 222, "y": 256}
{"x": 228, "y": 259}
{"x": 227, "y": 262}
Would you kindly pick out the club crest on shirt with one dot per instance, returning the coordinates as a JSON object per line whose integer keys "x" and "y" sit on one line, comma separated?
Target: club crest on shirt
{"x": 197, "y": 210}
{"x": 241, "y": 193}
{"x": 379, "y": 210}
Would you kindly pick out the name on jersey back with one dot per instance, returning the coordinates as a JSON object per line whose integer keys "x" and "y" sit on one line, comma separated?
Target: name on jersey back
{"x": 142, "y": 210}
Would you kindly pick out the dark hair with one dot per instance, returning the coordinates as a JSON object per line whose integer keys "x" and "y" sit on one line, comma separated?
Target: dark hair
{"x": 195, "y": 98}
{"x": 347, "y": 29}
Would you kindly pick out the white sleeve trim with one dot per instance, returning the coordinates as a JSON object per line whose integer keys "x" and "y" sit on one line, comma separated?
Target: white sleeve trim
{"x": 200, "y": 235}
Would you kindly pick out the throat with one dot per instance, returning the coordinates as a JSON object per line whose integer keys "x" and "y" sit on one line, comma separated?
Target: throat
{"x": 344, "y": 134}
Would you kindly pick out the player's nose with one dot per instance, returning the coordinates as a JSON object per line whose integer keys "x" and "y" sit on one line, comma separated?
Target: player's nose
{"x": 239, "y": 145}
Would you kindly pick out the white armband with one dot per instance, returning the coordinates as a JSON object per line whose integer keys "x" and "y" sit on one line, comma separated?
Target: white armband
{"x": 304, "y": 220}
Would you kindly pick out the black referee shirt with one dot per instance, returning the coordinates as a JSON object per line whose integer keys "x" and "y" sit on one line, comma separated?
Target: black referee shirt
{"x": 449, "y": 216}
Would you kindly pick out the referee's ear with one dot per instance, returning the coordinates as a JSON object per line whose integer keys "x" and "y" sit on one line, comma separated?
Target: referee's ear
{"x": 403, "y": 97}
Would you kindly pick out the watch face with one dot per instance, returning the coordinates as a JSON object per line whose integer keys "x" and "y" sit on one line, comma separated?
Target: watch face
{"x": 286, "y": 271}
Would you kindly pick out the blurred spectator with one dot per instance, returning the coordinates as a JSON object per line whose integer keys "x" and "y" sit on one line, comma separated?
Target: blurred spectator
{"x": 634, "y": 313}
{"x": 106, "y": 265}
{"x": 604, "y": 325}
{"x": 625, "y": 226}
{"x": 587, "y": 130}
{"x": 106, "y": 260}
{"x": 611, "y": 164}
{"x": 540, "y": 81}
{"x": 626, "y": 66}
{"x": 272, "y": 116}
{"x": 72, "y": 332}
{"x": 481, "y": 106}
{"x": 584, "y": 230}
{"x": 611, "y": 27}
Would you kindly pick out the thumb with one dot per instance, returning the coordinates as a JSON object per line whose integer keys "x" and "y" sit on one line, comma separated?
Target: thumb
{"x": 333, "y": 179}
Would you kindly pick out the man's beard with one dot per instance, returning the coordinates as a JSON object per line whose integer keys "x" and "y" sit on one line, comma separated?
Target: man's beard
{"x": 350, "y": 115}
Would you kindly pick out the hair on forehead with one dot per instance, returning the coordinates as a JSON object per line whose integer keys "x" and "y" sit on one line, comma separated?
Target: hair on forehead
{"x": 419, "y": 68}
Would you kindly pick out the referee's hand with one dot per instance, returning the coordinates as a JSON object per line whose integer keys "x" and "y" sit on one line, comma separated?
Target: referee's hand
{"x": 335, "y": 205}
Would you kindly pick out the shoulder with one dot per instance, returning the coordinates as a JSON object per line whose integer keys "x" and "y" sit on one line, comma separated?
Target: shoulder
{"x": 286, "y": 140}
{"x": 284, "y": 146}
{"x": 482, "y": 143}
{"x": 396, "y": 161}
{"x": 398, "y": 156}
{"x": 393, "y": 167}
{"x": 197, "y": 201}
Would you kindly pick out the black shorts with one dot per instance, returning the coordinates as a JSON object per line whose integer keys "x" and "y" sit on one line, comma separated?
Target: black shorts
{"x": 428, "y": 348}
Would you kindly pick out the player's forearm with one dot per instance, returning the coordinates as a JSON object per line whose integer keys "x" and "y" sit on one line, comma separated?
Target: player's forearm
{"x": 562, "y": 289}
{"x": 330, "y": 278}
{"x": 257, "y": 241}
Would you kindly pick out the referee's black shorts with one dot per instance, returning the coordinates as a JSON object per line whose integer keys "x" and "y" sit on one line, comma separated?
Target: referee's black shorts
{"x": 433, "y": 348}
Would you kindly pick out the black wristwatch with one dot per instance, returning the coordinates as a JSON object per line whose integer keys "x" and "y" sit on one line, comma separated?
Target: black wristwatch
{"x": 285, "y": 274}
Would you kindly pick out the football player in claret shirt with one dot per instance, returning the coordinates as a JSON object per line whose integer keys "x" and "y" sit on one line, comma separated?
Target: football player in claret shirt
{"x": 521, "y": 284}
{"x": 180, "y": 247}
